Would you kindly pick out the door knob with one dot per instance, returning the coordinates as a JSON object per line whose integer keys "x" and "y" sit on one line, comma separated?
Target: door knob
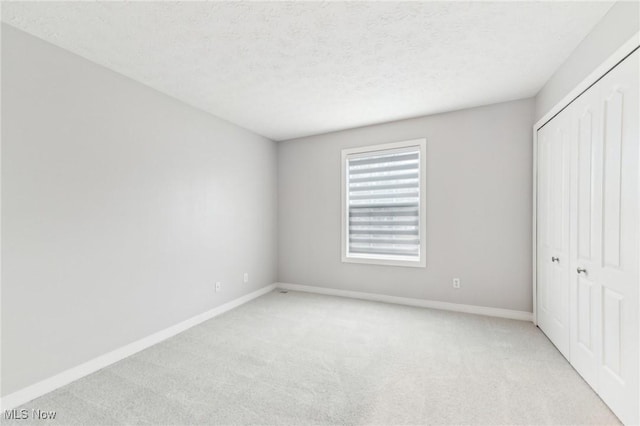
{"x": 555, "y": 259}
{"x": 581, "y": 270}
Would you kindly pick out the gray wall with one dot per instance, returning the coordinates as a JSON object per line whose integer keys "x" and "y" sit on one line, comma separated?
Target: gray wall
{"x": 618, "y": 25}
{"x": 121, "y": 208}
{"x": 478, "y": 227}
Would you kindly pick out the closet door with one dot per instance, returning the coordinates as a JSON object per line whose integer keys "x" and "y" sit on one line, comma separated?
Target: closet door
{"x": 600, "y": 209}
{"x": 604, "y": 296}
{"x": 553, "y": 231}
{"x": 618, "y": 272}
{"x": 586, "y": 241}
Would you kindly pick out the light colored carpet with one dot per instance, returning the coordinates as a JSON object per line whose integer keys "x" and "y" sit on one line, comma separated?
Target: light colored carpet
{"x": 301, "y": 359}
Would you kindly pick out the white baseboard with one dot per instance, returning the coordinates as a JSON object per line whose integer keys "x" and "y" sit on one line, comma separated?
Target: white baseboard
{"x": 45, "y": 386}
{"x": 456, "y": 307}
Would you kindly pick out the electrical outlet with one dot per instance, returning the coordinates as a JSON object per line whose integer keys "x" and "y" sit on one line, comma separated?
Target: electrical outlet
{"x": 456, "y": 283}
{"x": 246, "y": 277}
{"x": 218, "y": 286}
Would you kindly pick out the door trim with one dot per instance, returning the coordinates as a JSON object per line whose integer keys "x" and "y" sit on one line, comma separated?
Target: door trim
{"x": 620, "y": 54}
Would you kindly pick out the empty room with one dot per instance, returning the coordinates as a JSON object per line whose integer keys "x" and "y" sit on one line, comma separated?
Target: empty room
{"x": 320, "y": 213}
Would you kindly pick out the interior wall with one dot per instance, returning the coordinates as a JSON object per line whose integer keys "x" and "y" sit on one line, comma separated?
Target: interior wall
{"x": 121, "y": 209}
{"x": 618, "y": 25}
{"x": 478, "y": 225}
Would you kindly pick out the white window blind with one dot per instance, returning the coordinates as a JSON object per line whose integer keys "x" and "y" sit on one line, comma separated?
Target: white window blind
{"x": 383, "y": 210}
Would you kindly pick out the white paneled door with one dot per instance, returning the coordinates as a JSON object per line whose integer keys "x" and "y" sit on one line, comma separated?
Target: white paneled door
{"x": 553, "y": 232}
{"x": 617, "y": 271}
{"x": 586, "y": 206}
{"x": 603, "y": 256}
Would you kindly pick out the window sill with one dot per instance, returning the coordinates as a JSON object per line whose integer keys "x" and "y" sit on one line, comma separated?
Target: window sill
{"x": 384, "y": 261}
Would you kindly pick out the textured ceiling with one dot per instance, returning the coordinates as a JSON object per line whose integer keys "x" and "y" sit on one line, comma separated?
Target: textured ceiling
{"x": 290, "y": 69}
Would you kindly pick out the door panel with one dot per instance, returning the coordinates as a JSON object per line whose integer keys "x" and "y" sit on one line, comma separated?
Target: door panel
{"x": 584, "y": 334}
{"x": 613, "y": 111}
{"x": 618, "y": 375}
{"x": 586, "y": 225}
{"x": 585, "y": 180}
{"x": 544, "y": 226}
{"x": 611, "y": 350}
{"x": 553, "y": 233}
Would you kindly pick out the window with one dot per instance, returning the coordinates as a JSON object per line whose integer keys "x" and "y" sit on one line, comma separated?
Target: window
{"x": 383, "y": 204}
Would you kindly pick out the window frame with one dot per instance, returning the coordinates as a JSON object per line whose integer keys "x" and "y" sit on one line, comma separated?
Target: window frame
{"x": 384, "y": 259}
